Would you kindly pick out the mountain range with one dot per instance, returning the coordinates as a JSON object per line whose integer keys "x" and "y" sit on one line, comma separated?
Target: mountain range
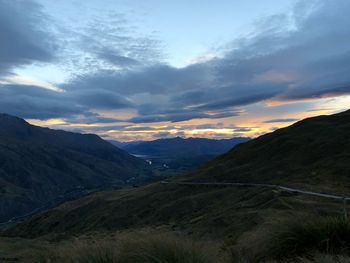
{"x": 174, "y": 156}
{"x": 180, "y": 147}
{"x": 313, "y": 154}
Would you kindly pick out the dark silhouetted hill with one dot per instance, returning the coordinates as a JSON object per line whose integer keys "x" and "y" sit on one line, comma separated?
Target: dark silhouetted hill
{"x": 39, "y": 164}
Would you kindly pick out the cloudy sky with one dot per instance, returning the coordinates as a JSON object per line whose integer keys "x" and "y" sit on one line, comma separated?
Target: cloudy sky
{"x": 140, "y": 70}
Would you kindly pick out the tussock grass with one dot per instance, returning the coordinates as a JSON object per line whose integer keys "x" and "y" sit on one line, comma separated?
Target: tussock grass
{"x": 164, "y": 249}
{"x": 136, "y": 248}
{"x": 326, "y": 259}
{"x": 289, "y": 240}
{"x": 81, "y": 252}
{"x": 329, "y": 235}
{"x": 302, "y": 240}
{"x": 153, "y": 247}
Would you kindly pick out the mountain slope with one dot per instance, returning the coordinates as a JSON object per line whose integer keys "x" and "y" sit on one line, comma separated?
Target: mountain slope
{"x": 39, "y": 164}
{"x": 312, "y": 154}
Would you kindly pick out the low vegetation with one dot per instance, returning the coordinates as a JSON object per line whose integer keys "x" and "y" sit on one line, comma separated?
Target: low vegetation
{"x": 302, "y": 240}
{"x": 136, "y": 248}
{"x": 326, "y": 259}
{"x": 301, "y": 237}
{"x": 289, "y": 240}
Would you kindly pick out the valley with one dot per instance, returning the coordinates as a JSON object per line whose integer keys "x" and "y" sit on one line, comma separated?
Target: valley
{"x": 235, "y": 195}
{"x": 174, "y": 156}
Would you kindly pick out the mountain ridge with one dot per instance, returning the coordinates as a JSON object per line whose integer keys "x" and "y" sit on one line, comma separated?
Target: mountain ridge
{"x": 306, "y": 151}
{"x": 177, "y": 155}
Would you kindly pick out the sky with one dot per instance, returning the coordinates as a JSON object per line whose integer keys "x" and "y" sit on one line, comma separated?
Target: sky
{"x": 142, "y": 70}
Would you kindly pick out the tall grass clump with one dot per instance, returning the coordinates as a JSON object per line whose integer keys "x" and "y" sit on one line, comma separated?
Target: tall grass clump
{"x": 302, "y": 237}
{"x": 164, "y": 249}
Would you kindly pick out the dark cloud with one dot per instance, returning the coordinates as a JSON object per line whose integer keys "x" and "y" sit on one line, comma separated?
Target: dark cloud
{"x": 24, "y": 35}
{"x": 242, "y": 129}
{"x": 181, "y": 116}
{"x": 118, "y": 60}
{"x": 100, "y": 99}
{"x": 163, "y": 135}
{"x": 234, "y": 96}
{"x": 142, "y": 128}
{"x": 92, "y": 118}
{"x": 221, "y": 126}
{"x": 315, "y": 92}
{"x": 205, "y": 126}
{"x": 155, "y": 79}
{"x": 35, "y": 102}
{"x": 281, "y": 120}
{"x": 304, "y": 56}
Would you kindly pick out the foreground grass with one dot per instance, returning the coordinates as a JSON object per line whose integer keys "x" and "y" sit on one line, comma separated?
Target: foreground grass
{"x": 302, "y": 240}
{"x": 149, "y": 247}
{"x": 301, "y": 237}
{"x": 325, "y": 259}
{"x": 164, "y": 249}
{"x": 137, "y": 248}
{"x": 289, "y": 240}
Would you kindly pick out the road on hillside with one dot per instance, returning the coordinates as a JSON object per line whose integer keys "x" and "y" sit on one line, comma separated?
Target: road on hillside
{"x": 275, "y": 186}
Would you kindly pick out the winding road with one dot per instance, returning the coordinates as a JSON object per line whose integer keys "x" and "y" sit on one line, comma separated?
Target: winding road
{"x": 214, "y": 184}
{"x": 275, "y": 186}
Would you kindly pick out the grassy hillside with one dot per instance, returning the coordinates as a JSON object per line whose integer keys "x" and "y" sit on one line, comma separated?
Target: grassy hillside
{"x": 38, "y": 165}
{"x": 200, "y": 211}
{"x": 153, "y": 246}
{"x": 314, "y": 153}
